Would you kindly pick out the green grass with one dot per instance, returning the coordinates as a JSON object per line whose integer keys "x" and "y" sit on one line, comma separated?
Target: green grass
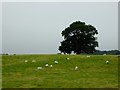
{"x": 92, "y": 72}
{"x": 0, "y": 71}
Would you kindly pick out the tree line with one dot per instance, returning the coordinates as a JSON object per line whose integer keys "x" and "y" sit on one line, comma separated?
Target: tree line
{"x": 109, "y": 52}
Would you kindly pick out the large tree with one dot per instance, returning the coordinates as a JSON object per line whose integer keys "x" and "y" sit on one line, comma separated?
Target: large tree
{"x": 79, "y": 38}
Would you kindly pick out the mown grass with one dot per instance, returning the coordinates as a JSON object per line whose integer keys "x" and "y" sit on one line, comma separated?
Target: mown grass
{"x": 92, "y": 72}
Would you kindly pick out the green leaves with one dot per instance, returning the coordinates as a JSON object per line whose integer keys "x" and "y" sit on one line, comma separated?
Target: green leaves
{"x": 79, "y": 37}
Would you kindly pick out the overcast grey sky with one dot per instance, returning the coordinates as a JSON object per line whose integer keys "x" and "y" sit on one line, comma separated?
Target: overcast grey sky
{"x": 0, "y": 27}
{"x": 35, "y": 27}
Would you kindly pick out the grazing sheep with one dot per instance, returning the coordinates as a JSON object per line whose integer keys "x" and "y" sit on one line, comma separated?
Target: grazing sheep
{"x": 46, "y": 65}
{"x": 88, "y": 56}
{"x": 76, "y": 67}
{"x": 56, "y": 62}
{"x": 68, "y": 58}
{"x": 26, "y": 60}
{"x": 51, "y": 66}
{"x": 107, "y": 62}
{"x": 39, "y": 68}
{"x": 104, "y": 54}
{"x": 33, "y": 61}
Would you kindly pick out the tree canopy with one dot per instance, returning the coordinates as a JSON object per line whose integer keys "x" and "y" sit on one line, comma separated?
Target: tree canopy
{"x": 79, "y": 38}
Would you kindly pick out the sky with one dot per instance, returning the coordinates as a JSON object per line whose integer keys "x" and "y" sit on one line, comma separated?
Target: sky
{"x": 119, "y": 26}
{"x": 35, "y": 27}
{"x": 0, "y": 27}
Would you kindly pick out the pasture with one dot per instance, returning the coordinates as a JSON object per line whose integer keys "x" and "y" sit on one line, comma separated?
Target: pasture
{"x": 92, "y": 71}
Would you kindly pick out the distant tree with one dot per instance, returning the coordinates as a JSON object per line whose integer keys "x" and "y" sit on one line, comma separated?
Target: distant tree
{"x": 111, "y": 52}
{"x": 79, "y": 38}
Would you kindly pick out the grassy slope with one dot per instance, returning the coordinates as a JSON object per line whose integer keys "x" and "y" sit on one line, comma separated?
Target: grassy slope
{"x": 92, "y": 73}
{"x": 0, "y": 71}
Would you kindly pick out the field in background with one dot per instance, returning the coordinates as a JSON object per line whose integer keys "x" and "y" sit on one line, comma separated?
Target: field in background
{"x": 0, "y": 71}
{"x": 92, "y": 71}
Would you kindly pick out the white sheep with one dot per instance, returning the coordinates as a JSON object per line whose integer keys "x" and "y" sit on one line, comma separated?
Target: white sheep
{"x": 51, "y": 66}
{"x": 76, "y": 67}
{"x": 26, "y": 60}
{"x": 107, "y": 62}
{"x": 56, "y": 62}
{"x": 46, "y": 65}
{"x": 88, "y": 56}
{"x": 33, "y": 61}
{"x": 39, "y": 68}
{"x": 68, "y": 58}
{"x": 104, "y": 54}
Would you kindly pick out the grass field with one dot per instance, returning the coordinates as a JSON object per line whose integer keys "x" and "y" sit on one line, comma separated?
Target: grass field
{"x": 92, "y": 71}
{"x": 0, "y": 71}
